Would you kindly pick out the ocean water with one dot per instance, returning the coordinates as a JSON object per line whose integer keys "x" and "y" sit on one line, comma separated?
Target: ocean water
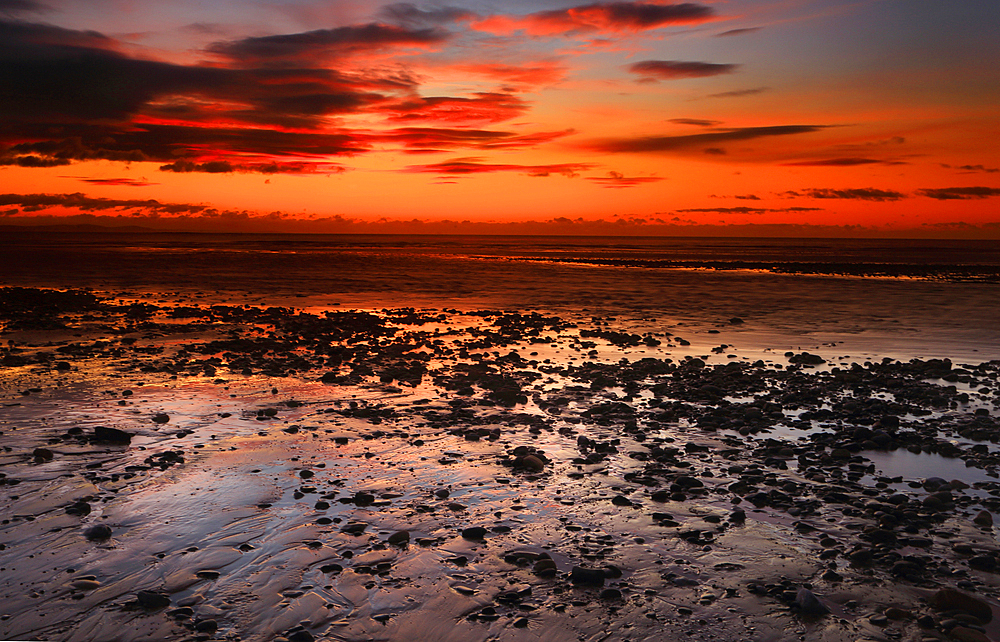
{"x": 899, "y": 298}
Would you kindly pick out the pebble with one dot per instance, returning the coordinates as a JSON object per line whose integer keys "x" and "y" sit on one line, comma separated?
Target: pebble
{"x": 97, "y": 532}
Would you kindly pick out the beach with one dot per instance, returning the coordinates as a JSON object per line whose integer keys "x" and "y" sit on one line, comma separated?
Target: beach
{"x": 414, "y": 438}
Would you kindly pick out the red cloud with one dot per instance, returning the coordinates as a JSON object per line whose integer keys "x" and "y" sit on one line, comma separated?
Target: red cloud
{"x": 606, "y": 17}
{"x": 424, "y": 139}
{"x": 462, "y": 166}
{"x": 485, "y": 107}
{"x": 619, "y": 180}
{"x": 531, "y": 74}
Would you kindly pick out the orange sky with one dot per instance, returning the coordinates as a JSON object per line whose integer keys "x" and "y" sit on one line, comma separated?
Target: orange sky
{"x": 822, "y": 115}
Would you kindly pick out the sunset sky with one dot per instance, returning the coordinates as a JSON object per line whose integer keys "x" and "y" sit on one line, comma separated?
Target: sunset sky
{"x": 350, "y": 115}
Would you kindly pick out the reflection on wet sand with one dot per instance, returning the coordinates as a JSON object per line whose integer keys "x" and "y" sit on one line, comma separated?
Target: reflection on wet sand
{"x": 179, "y": 469}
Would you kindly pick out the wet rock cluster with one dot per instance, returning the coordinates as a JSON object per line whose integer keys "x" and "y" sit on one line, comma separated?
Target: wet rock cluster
{"x": 637, "y": 487}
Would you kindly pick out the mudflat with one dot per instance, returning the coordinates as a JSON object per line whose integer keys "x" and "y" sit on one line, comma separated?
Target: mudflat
{"x": 208, "y": 467}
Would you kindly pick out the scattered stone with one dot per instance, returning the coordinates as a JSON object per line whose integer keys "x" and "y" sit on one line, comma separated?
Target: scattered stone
{"x": 97, "y": 532}
{"x": 399, "y": 538}
{"x": 809, "y": 604}
{"x": 106, "y": 435}
{"x": 474, "y": 533}
{"x": 948, "y": 599}
{"x": 984, "y": 519}
{"x": 587, "y": 576}
{"x": 151, "y": 600}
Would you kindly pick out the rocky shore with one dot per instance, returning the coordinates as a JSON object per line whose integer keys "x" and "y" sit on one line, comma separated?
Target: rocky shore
{"x": 180, "y": 470}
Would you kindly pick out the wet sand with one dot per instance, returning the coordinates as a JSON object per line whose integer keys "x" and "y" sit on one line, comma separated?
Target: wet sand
{"x": 312, "y": 471}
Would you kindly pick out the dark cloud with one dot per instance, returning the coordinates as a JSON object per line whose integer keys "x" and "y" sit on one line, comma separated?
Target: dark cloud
{"x": 69, "y": 96}
{"x": 57, "y": 76}
{"x": 973, "y": 168}
{"x": 410, "y": 15}
{"x": 307, "y": 47}
{"x": 463, "y": 166}
{"x": 842, "y": 162}
{"x": 31, "y": 160}
{"x": 675, "y": 69}
{"x": 226, "y": 167}
{"x": 16, "y": 7}
{"x": 738, "y": 93}
{"x": 619, "y": 180}
{"x": 614, "y": 17}
{"x": 83, "y": 203}
{"x": 860, "y": 194}
{"x": 675, "y": 143}
{"x": 750, "y": 210}
{"x": 119, "y": 182}
{"x": 697, "y": 122}
{"x": 959, "y": 193}
{"x": 747, "y": 197}
{"x": 737, "y": 32}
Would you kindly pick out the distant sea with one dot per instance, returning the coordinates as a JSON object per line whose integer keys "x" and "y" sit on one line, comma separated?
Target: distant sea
{"x": 925, "y": 297}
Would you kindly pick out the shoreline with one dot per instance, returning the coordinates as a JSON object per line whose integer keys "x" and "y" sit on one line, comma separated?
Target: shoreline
{"x": 375, "y": 473}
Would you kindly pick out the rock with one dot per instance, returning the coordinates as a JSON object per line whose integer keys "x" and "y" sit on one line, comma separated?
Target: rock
{"x": 611, "y": 594}
{"x": 354, "y": 528}
{"x": 545, "y": 567}
{"x": 587, "y": 576}
{"x": 474, "y": 533}
{"x": 105, "y": 435}
{"x": 399, "y": 538}
{"x": 532, "y": 462}
{"x": 879, "y": 620}
{"x": 965, "y": 634}
{"x": 206, "y": 626}
{"x": 97, "y": 532}
{"x": 85, "y": 585}
{"x": 300, "y": 635}
{"x": 161, "y": 418}
{"x": 809, "y": 604}
{"x": 363, "y": 499}
{"x": 948, "y": 599}
{"x": 621, "y": 500}
{"x": 151, "y": 600}
{"x": 79, "y": 508}
{"x": 42, "y": 454}
{"x": 984, "y": 518}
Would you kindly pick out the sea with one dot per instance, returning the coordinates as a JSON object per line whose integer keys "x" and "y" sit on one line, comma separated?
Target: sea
{"x": 887, "y": 297}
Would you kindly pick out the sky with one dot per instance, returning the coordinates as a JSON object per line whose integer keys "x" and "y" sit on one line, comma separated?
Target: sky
{"x": 801, "y": 117}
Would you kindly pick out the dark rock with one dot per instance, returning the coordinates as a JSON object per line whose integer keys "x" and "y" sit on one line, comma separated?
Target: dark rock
{"x": 206, "y": 626}
{"x": 948, "y": 599}
{"x": 105, "y": 435}
{"x": 809, "y": 604}
{"x": 97, "y": 532}
{"x": 161, "y": 418}
{"x": 611, "y": 594}
{"x": 354, "y": 528}
{"x": 398, "y": 538}
{"x": 42, "y": 454}
{"x": 364, "y": 499}
{"x": 474, "y": 533}
{"x": 80, "y": 508}
{"x": 587, "y": 576}
{"x": 151, "y": 600}
{"x": 984, "y": 518}
{"x": 300, "y": 635}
